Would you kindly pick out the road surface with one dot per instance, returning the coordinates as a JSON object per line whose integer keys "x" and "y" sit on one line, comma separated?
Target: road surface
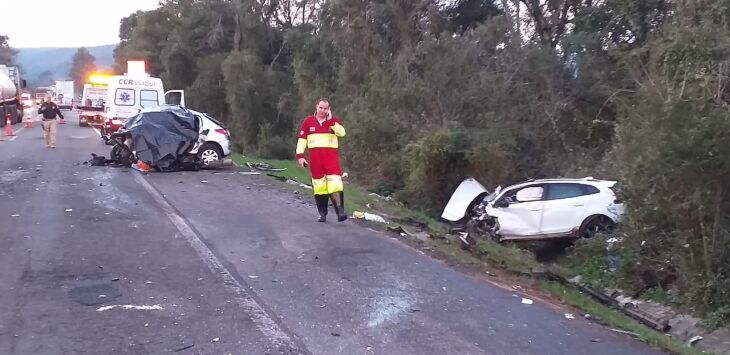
{"x": 103, "y": 260}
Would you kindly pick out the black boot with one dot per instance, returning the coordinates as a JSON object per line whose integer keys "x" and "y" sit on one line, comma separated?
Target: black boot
{"x": 322, "y": 205}
{"x": 338, "y": 202}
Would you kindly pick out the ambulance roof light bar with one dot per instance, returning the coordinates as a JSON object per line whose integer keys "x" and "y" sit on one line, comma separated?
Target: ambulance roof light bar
{"x": 136, "y": 67}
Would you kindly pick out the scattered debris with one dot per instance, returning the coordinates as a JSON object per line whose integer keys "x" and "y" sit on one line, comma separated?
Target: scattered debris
{"x": 368, "y": 217}
{"x": 184, "y": 348}
{"x": 253, "y": 277}
{"x": 569, "y": 316}
{"x": 148, "y": 282}
{"x": 203, "y": 181}
{"x": 249, "y": 173}
{"x": 319, "y": 305}
{"x": 635, "y": 335}
{"x": 335, "y": 334}
{"x": 155, "y": 307}
{"x": 215, "y": 340}
{"x": 15, "y": 215}
{"x": 297, "y": 183}
{"x": 694, "y": 339}
{"x": 115, "y": 279}
{"x": 264, "y": 167}
{"x": 526, "y": 301}
{"x": 69, "y": 210}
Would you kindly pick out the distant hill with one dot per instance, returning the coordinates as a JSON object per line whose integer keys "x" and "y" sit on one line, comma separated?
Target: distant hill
{"x": 35, "y": 61}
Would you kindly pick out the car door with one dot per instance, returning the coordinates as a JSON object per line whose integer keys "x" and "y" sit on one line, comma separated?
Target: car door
{"x": 522, "y": 215}
{"x": 175, "y": 97}
{"x": 565, "y": 206}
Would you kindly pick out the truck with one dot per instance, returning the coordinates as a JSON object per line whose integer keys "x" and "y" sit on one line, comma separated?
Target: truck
{"x": 91, "y": 107}
{"x": 10, "y": 86}
{"x": 42, "y": 92}
{"x": 65, "y": 94}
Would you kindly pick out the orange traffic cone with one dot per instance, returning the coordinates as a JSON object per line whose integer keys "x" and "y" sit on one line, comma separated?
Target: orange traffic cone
{"x": 9, "y": 125}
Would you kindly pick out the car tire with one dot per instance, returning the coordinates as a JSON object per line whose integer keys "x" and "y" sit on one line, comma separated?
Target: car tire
{"x": 209, "y": 152}
{"x": 594, "y": 225}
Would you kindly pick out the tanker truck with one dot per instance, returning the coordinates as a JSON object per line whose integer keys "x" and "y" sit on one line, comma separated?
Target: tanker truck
{"x": 10, "y": 86}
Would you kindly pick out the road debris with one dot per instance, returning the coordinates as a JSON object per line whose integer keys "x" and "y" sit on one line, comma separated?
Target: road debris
{"x": 368, "y": 217}
{"x": 264, "y": 167}
{"x": 253, "y": 277}
{"x": 635, "y": 335}
{"x": 155, "y": 307}
{"x": 15, "y": 215}
{"x": 569, "y": 316}
{"x": 526, "y": 301}
{"x": 693, "y": 340}
{"x": 335, "y": 334}
{"x": 215, "y": 340}
{"x": 69, "y": 210}
{"x": 184, "y": 348}
{"x": 297, "y": 183}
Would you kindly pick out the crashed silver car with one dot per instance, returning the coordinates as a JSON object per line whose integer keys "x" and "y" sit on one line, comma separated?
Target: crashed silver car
{"x": 536, "y": 210}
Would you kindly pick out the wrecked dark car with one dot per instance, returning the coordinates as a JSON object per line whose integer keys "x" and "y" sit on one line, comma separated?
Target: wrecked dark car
{"x": 164, "y": 138}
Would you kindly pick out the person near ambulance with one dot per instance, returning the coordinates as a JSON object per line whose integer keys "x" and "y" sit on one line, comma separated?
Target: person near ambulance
{"x": 50, "y": 110}
{"x": 319, "y": 134}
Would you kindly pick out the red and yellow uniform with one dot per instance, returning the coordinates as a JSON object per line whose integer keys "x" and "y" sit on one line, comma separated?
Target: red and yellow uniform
{"x": 324, "y": 158}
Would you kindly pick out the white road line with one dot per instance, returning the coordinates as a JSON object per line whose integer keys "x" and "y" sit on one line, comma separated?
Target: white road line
{"x": 96, "y": 130}
{"x": 258, "y": 315}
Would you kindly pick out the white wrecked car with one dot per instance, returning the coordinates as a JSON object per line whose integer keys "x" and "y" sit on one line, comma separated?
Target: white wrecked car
{"x": 536, "y": 210}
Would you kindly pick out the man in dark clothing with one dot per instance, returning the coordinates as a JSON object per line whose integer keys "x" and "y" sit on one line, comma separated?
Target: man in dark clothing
{"x": 49, "y": 110}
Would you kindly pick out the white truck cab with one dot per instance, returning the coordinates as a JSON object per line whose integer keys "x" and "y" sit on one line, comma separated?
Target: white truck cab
{"x": 127, "y": 95}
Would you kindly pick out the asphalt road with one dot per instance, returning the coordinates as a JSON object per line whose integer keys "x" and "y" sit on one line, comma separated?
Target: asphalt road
{"x": 103, "y": 260}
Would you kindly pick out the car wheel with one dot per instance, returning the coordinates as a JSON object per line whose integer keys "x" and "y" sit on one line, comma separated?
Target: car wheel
{"x": 596, "y": 225}
{"x": 209, "y": 153}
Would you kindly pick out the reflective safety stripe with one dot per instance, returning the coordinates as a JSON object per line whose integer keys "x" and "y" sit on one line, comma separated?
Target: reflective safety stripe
{"x": 338, "y": 129}
{"x": 301, "y": 145}
{"x": 320, "y": 186}
{"x": 334, "y": 183}
{"x": 321, "y": 140}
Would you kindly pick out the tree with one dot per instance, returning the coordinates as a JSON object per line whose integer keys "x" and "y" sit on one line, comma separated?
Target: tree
{"x": 7, "y": 53}
{"x": 82, "y": 65}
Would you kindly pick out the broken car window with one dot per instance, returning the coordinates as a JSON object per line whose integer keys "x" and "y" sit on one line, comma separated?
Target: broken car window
{"x": 532, "y": 193}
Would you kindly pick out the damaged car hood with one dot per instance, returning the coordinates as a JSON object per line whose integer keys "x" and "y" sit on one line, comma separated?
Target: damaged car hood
{"x": 160, "y": 136}
{"x": 467, "y": 191}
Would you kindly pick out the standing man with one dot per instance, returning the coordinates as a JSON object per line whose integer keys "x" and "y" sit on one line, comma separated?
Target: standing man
{"x": 319, "y": 133}
{"x": 49, "y": 110}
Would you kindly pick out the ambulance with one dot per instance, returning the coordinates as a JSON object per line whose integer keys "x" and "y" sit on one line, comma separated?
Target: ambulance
{"x": 129, "y": 94}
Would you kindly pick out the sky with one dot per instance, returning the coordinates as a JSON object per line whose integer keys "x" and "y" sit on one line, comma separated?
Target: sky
{"x": 66, "y": 23}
